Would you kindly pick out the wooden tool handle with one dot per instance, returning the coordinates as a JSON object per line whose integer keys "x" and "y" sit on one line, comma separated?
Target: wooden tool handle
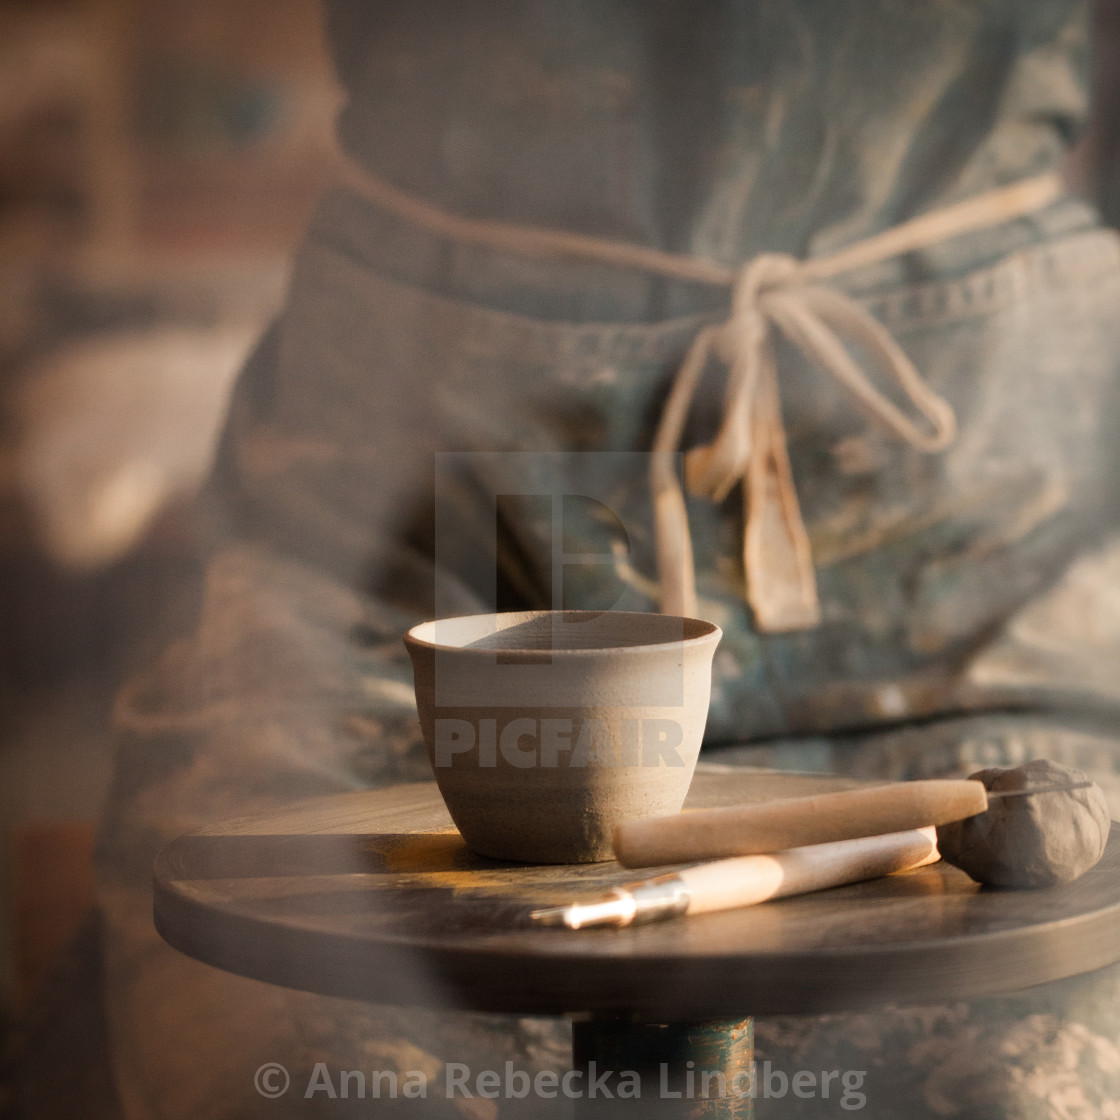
{"x": 775, "y": 825}
{"x": 744, "y": 881}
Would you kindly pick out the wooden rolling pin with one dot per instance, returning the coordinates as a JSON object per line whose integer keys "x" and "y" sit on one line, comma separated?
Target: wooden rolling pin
{"x": 730, "y": 883}
{"x": 772, "y": 826}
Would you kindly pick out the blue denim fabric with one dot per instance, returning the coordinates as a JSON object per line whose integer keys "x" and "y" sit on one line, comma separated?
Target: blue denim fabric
{"x": 295, "y": 682}
{"x": 954, "y": 586}
{"x": 718, "y": 128}
{"x": 921, "y": 558}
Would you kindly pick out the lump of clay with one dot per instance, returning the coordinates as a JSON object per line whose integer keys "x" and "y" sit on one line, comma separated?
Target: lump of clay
{"x": 1030, "y": 841}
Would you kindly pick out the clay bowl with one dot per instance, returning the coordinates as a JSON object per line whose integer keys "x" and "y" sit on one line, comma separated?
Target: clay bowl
{"x": 547, "y": 729}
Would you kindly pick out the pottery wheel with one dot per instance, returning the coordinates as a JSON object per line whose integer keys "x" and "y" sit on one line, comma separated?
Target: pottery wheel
{"x": 372, "y": 895}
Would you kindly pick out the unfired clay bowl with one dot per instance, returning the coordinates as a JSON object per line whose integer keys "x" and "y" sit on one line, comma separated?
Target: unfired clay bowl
{"x": 547, "y": 729}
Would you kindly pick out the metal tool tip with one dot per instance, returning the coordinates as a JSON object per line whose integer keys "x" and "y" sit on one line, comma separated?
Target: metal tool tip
{"x": 551, "y": 916}
{"x": 617, "y": 909}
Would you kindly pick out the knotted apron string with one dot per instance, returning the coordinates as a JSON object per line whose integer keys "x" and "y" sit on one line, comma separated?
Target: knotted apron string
{"x": 772, "y": 291}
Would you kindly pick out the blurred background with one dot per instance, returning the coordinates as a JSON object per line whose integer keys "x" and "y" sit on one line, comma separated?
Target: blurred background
{"x": 158, "y": 162}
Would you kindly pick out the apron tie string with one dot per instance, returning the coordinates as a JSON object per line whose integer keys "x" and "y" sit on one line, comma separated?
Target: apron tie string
{"x": 773, "y": 291}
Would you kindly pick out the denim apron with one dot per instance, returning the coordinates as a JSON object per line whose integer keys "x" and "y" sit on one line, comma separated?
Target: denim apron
{"x": 961, "y": 590}
{"x": 435, "y": 429}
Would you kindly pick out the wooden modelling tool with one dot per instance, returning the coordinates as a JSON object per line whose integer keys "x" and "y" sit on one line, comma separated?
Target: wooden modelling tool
{"x": 773, "y": 826}
{"x": 730, "y": 883}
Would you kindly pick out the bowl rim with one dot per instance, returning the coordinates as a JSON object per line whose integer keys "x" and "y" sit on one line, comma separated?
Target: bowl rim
{"x": 712, "y": 633}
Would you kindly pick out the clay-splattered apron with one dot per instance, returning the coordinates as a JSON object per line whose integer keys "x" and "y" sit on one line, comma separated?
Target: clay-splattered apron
{"x": 398, "y": 447}
{"x": 934, "y": 576}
